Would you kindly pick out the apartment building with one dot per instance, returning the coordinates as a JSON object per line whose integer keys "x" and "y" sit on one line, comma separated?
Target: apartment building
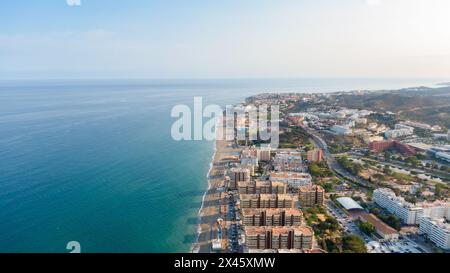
{"x": 256, "y": 201}
{"x": 315, "y": 155}
{"x": 261, "y": 187}
{"x": 288, "y": 161}
{"x": 437, "y": 230}
{"x": 310, "y": 196}
{"x": 264, "y": 154}
{"x": 292, "y": 179}
{"x": 238, "y": 175}
{"x": 279, "y": 238}
{"x": 272, "y": 217}
{"x": 408, "y": 213}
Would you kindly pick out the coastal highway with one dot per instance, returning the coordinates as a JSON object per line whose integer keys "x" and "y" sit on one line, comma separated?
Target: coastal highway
{"x": 333, "y": 164}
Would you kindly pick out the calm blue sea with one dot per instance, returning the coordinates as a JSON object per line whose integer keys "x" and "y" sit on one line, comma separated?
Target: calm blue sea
{"x": 93, "y": 161}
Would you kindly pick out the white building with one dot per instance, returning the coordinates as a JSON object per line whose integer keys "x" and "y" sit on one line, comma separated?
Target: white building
{"x": 288, "y": 161}
{"x": 341, "y": 130}
{"x": 436, "y": 210}
{"x": 408, "y": 213}
{"x": 400, "y": 130}
{"x": 443, "y": 156}
{"x": 437, "y": 230}
{"x": 291, "y": 178}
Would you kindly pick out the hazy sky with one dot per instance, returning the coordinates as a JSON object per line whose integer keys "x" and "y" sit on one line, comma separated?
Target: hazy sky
{"x": 224, "y": 38}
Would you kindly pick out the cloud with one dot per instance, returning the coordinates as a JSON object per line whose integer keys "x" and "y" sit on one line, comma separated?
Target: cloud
{"x": 73, "y": 2}
{"x": 374, "y": 2}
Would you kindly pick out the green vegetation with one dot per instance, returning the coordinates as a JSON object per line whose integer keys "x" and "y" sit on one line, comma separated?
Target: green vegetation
{"x": 390, "y": 219}
{"x": 293, "y": 138}
{"x": 412, "y": 160}
{"x": 420, "y": 105}
{"x": 338, "y": 148}
{"x": 319, "y": 169}
{"x": 403, "y": 177}
{"x": 379, "y": 177}
{"x": 441, "y": 191}
{"x": 366, "y": 227}
{"x": 353, "y": 244}
{"x": 353, "y": 168}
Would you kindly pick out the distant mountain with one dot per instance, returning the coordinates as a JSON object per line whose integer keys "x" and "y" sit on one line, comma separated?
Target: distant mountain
{"x": 430, "y": 105}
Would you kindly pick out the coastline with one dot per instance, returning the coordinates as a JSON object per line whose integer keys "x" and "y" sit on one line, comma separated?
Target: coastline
{"x": 210, "y": 209}
{"x": 195, "y": 245}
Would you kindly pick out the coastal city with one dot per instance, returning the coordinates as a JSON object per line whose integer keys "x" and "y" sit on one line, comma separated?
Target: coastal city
{"x": 342, "y": 180}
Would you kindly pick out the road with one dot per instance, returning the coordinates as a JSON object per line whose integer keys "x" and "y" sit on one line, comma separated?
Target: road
{"x": 334, "y": 165}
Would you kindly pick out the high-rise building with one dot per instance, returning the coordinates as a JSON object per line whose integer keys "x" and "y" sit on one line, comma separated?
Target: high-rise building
{"x": 256, "y": 201}
{"x": 310, "y": 196}
{"x": 272, "y": 217}
{"x": 264, "y": 154}
{"x": 292, "y": 179}
{"x": 408, "y": 213}
{"x": 315, "y": 155}
{"x": 238, "y": 175}
{"x": 437, "y": 230}
{"x": 279, "y": 238}
{"x": 400, "y": 130}
{"x": 288, "y": 161}
{"x": 261, "y": 187}
{"x": 381, "y": 146}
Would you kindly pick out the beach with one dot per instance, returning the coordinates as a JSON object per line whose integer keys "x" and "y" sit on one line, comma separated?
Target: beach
{"x": 210, "y": 209}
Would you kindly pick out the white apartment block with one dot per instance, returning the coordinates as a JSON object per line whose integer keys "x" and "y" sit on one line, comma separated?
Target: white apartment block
{"x": 399, "y": 131}
{"x": 408, "y": 213}
{"x": 288, "y": 161}
{"x": 291, "y": 178}
{"x": 436, "y": 210}
{"x": 437, "y": 230}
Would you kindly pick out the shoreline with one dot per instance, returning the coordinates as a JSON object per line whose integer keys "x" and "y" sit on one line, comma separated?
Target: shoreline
{"x": 195, "y": 245}
{"x": 210, "y": 209}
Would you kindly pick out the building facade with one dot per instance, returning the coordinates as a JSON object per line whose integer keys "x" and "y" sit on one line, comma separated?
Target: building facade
{"x": 279, "y": 238}
{"x": 310, "y": 196}
{"x": 272, "y": 217}
{"x": 437, "y": 230}
{"x": 292, "y": 179}
{"x": 315, "y": 155}
{"x": 408, "y": 213}
{"x": 267, "y": 201}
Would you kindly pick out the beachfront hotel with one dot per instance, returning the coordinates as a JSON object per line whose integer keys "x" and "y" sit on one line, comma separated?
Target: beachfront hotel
{"x": 262, "y": 187}
{"x": 272, "y": 217}
{"x": 267, "y": 201}
{"x": 279, "y": 238}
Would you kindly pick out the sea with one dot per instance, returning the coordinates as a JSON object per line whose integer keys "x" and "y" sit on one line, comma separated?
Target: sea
{"x": 93, "y": 161}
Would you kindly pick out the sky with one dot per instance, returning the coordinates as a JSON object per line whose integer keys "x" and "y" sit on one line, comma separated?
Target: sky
{"x": 224, "y": 39}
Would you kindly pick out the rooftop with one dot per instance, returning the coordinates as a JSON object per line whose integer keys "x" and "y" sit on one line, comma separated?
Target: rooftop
{"x": 291, "y": 175}
{"x": 349, "y": 204}
{"x": 310, "y": 188}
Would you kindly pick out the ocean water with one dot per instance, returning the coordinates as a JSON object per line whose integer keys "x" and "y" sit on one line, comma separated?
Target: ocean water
{"x": 94, "y": 162}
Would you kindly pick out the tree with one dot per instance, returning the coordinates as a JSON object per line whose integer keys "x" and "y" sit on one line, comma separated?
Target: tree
{"x": 366, "y": 227}
{"x": 412, "y": 160}
{"x": 353, "y": 244}
{"x": 375, "y": 211}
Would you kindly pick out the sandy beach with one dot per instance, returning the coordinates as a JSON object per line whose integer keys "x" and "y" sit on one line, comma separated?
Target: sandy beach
{"x": 210, "y": 210}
